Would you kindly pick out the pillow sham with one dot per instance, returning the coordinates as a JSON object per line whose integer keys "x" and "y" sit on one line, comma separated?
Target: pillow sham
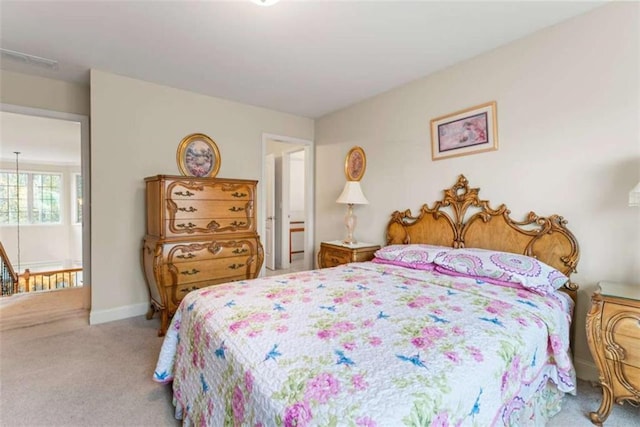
{"x": 502, "y": 267}
{"x": 416, "y": 256}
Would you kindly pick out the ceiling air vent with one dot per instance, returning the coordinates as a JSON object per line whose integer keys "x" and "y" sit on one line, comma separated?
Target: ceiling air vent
{"x": 29, "y": 59}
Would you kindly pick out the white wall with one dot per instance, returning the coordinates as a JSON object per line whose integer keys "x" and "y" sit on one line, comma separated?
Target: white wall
{"x": 40, "y": 92}
{"x": 136, "y": 127}
{"x": 568, "y": 125}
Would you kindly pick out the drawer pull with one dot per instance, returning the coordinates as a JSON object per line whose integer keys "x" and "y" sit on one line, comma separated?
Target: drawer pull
{"x": 187, "y": 256}
{"x": 236, "y": 209}
{"x": 186, "y": 193}
{"x": 188, "y": 226}
{"x": 190, "y": 273}
{"x": 240, "y": 251}
{"x": 193, "y": 288}
{"x": 236, "y": 194}
{"x": 236, "y": 266}
{"x": 238, "y": 224}
{"x": 189, "y": 209}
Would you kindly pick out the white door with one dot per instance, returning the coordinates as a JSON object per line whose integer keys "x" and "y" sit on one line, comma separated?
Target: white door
{"x": 285, "y": 223}
{"x": 270, "y": 230}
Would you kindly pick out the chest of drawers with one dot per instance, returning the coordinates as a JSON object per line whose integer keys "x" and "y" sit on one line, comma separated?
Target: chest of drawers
{"x": 200, "y": 232}
{"x": 613, "y": 334}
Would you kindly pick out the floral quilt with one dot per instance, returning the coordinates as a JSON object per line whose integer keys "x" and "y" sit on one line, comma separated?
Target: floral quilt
{"x": 364, "y": 344}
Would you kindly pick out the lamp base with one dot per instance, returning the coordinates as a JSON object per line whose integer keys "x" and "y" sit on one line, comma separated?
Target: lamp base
{"x": 350, "y": 224}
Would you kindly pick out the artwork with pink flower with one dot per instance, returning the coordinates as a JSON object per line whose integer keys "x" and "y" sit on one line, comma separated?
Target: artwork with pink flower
{"x": 198, "y": 156}
{"x": 465, "y": 132}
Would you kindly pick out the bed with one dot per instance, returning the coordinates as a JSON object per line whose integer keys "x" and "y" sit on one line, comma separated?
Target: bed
{"x": 463, "y": 318}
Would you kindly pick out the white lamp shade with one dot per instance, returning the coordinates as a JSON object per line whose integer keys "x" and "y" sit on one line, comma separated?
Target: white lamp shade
{"x": 352, "y": 194}
{"x": 634, "y": 196}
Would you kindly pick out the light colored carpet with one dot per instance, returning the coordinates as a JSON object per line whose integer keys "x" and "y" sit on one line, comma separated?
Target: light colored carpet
{"x": 69, "y": 374}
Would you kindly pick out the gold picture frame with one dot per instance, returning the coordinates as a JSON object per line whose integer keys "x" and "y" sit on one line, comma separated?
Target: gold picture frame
{"x": 198, "y": 156}
{"x": 355, "y": 164}
{"x": 470, "y": 131}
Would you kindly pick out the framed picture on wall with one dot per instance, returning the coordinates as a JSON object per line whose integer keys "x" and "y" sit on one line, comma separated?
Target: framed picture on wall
{"x": 355, "y": 164}
{"x": 198, "y": 156}
{"x": 469, "y": 131}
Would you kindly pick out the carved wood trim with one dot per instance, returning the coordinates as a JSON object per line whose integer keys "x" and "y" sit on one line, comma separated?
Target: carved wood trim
{"x": 594, "y": 339}
{"x": 462, "y": 219}
{"x": 617, "y": 353}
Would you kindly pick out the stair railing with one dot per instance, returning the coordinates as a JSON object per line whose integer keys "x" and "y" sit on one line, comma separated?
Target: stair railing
{"x": 8, "y": 276}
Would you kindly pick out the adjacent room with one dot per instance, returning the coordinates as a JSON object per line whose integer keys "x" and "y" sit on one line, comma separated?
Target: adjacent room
{"x": 263, "y": 212}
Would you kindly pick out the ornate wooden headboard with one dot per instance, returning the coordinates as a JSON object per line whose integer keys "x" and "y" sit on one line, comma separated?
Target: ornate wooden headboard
{"x": 461, "y": 219}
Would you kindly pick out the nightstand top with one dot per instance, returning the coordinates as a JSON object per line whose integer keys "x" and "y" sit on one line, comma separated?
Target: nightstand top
{"x": 350, "y": 246}
{"x": 619, "y": 290}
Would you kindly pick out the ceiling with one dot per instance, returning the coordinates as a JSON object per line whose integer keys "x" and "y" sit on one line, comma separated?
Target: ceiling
{"x": 306, "y": 58}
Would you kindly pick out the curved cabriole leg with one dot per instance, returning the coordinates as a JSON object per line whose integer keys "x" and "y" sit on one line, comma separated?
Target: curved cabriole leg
{"x": 604, "y": 410}
{"x": 150, "y": 312}
{"x": 164, "y": 322}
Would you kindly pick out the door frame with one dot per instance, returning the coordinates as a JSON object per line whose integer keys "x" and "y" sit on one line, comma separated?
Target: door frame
{"x": 85, "y": 168}
{"x": 309, "y": 238}
{"x": 269, "y": 190}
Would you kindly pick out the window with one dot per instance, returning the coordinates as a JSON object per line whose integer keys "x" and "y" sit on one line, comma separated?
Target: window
{"x": 32, "y": 198}
{"x": 78, "y": 198}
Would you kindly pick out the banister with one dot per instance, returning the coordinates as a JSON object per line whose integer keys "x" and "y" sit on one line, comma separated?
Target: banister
{"x": 31, "y": 281}
{"x": 6, "y": 264}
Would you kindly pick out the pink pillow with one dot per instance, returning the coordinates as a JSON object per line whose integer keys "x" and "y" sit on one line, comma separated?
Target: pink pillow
{"x": 495, "y": 266}
{"x": 416, "y": 256}
{"x": 484, "y": 279}
{"x": 415, "y": 265}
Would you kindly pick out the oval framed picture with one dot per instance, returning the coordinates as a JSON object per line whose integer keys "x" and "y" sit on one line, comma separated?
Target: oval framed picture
{"x": 198, "y": 155}
{"x": 355, "y": 164}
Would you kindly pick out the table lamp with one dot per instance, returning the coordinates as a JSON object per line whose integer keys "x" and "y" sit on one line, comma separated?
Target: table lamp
{"x": 351, "y": 195}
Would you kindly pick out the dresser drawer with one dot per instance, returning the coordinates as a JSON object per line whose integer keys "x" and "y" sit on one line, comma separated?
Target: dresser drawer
{"x": 630, "y": 346}
{"x": 332, "y": 257}
{"x": 622, "y": 319}
{"x": 207, "y": 227}
{"x": 189, "y": 209}
{"x": 196, "y": 189}
{"x": 629, "y": 375}
{"x": 201, "y": 251}
{"x": 196, "y": 271}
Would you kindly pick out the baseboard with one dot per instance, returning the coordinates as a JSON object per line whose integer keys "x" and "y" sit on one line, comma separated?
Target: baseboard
{"x": 586, "y": 370}
{"x": 118, "y": 313}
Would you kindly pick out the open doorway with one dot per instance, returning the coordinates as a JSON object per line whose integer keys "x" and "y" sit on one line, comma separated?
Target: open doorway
{"x": 287, "y": 228}
{"x": 45, "y": 229}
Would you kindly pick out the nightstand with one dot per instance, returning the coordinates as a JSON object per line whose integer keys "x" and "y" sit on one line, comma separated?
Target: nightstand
{"x": 335, "y": 252}
{"x": 613, "y": 333}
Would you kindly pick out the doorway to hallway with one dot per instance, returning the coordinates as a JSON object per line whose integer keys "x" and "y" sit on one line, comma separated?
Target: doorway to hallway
{"x": 288, "y": 208}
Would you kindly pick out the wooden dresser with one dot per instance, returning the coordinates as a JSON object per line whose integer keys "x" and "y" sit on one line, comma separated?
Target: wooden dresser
{"x": 200, "y": 232}
{"x": 613, "y": 333}
{"x": 336, "y": 253}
